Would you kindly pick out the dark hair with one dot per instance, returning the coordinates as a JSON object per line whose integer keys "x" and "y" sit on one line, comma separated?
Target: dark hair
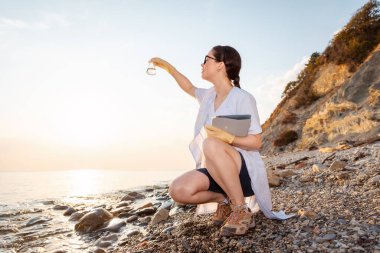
{"x": 232, "y": 61}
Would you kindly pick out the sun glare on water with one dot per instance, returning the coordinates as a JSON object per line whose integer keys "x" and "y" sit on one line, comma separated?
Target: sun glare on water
{"x": 84, "y": 182}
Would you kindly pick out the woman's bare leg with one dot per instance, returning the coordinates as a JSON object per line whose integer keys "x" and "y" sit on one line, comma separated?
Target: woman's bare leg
{"x": 192, "y": 188}
{"x": 223, "y": 163}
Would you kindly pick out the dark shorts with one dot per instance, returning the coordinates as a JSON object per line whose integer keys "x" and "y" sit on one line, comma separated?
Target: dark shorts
{"x": 245, "y": 180}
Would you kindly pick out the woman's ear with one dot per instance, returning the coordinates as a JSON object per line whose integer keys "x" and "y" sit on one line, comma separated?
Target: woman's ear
{"x": 220, "y": 66}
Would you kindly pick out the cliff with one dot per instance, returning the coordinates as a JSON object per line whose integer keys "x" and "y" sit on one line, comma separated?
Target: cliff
{"x": 336, "y": 97}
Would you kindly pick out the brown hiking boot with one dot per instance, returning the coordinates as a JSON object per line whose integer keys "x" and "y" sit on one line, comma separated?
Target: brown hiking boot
{"x": 221, "y": 214}
{"x": 239, "y": 221}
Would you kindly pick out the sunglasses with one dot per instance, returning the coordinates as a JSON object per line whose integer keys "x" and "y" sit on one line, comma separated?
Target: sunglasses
{"x": 205, "y": 60}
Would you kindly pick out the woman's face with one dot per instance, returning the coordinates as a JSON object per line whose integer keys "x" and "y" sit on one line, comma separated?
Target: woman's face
{"x": 209, "y": 67}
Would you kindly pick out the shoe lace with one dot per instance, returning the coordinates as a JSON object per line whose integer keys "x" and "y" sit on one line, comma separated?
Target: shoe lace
{"x": 235, "y": 215}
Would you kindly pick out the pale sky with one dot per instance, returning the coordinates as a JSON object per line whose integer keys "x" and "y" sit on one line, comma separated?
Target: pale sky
{"x": 73, "y": 89}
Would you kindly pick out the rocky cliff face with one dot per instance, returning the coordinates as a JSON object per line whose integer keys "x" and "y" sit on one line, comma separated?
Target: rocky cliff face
{"x": 347, "y": 109}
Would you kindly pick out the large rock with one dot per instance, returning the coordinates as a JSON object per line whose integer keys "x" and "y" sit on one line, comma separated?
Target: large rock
{"x": 93, "y": 220}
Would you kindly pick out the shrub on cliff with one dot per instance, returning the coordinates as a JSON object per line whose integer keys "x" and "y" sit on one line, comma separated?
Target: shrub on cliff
{"x": 289, "y": 118}
{"x": 285, "y": 138}
{"x": 358, "y": 38}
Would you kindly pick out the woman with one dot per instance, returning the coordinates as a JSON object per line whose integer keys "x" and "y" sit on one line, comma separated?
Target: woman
{"x": 228, "y": 168}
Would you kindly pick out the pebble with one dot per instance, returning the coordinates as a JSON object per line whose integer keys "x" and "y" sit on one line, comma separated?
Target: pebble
{"x": 284, "y": 173}
{"x": 133, "y": 196}
{"x": 325, "y": 238}
{"x": 133, "y": 232}
{"x": 132, "y": 218}
{"x": 337, "y": 166}
{"x": 145, "y": 220}
{"x": 119, "y": 210}
{"x": 306, "y": 178}
{"x": 123, "y": 203}
{"x": 375, "y": 179}
{"x": 318, "y": 168}
{"x": 167, "y": 205}
{"x": 160, "y": 215}
{"x": 143, "y": 205}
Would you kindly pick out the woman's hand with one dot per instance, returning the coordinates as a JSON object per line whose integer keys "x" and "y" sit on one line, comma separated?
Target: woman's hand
{"x": 220, "y": 134}
{"x": 182, "y": 80}
{"x": 162, "y": 64}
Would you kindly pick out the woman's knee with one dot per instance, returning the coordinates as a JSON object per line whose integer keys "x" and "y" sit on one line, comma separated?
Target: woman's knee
{"x": 179, "y": 192}
{"x": 212, "y": 146}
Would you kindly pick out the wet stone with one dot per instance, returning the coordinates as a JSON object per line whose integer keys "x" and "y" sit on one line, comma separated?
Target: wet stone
{"x": 69, "y": 211}
{"x": 145, "y": 220}
{"x": 4, "y": 231}
{"x": 132, "y": 218}
{"x": 143, "y": 205}
{"x": 106, "y": 241}
{"x": 167, "y": 205}
{"x": 125, "y": 214}
{"x": 146, "y": 211}
{"x": 93, "y": 220}
{"x": 123, "y": 203}
{"x": 37, "y": 220}
{"x": 76, "y": 216}
{"x": 114, "y": 227}
{"x": 123, "y": 209}
{"x": 132, "y": 196}
{"x": 133, "y": 232}
{"x": 60, "y": 207}
{"x": 48, "y": 202}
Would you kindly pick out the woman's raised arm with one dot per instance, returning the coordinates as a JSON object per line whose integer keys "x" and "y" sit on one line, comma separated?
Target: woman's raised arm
{"x": 182, "y": 80}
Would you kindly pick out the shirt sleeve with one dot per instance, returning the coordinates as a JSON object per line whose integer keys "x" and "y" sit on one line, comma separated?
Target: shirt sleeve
{"x": 248, "y": 106}
{"x": 200, "y": 94}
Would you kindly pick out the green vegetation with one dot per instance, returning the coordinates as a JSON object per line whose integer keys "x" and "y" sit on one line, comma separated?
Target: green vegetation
{"x": 285, "y": 138}
{"x": 351, "y": 46}
{"x": 358, "y": 38}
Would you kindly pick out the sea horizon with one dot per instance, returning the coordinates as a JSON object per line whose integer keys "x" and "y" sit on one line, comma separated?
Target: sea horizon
{"x": 22, "y": 186}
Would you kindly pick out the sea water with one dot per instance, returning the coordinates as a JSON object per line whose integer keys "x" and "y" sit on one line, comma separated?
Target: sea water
{"x": 25, "y": 186}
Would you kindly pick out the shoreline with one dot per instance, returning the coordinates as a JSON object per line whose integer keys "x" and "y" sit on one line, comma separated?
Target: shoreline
{"x": 335, "y": 196}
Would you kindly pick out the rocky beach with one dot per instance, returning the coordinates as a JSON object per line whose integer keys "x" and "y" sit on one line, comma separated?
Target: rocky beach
{"x": 334, "y": 193}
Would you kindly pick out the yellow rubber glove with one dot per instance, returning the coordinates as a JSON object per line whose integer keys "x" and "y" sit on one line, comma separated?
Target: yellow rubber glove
{"x": 162, "y": 64}
{"x": 220, "y": 134}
